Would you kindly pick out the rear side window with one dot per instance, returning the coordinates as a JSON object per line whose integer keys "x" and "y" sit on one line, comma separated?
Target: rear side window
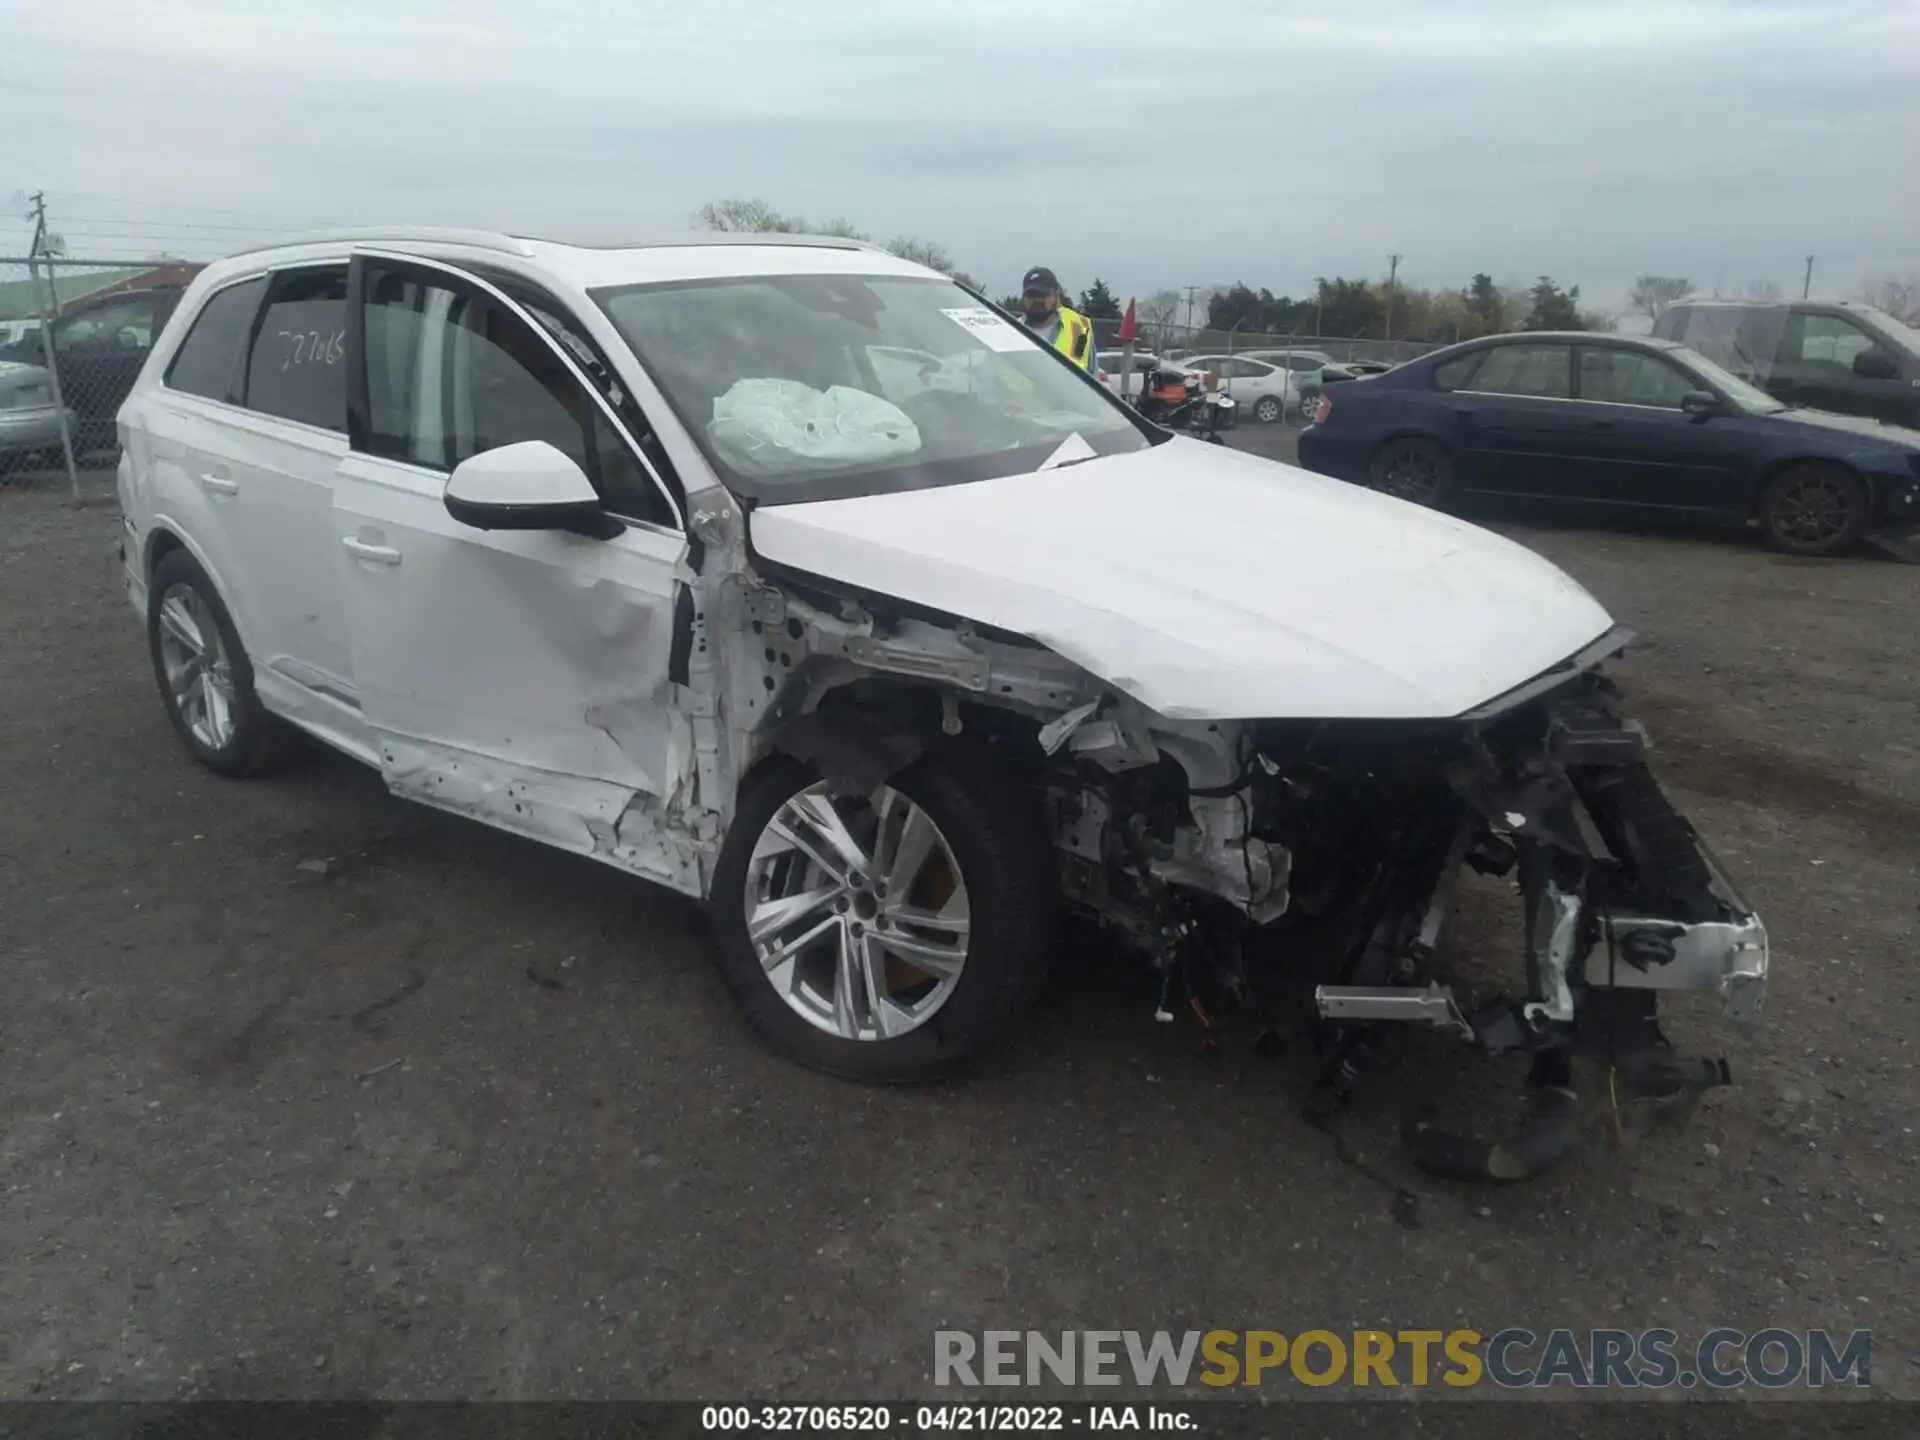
{"x": 1452, "y": 374}
{"x": 298, "y": 367}
{"x": 209, "y": 360}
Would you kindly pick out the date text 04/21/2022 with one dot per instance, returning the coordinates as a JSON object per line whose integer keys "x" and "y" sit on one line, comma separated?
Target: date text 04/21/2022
{"x": 819, "y": 1419}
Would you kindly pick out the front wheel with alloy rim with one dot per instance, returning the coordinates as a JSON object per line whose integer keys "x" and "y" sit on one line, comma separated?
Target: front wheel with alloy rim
{"x": 1812, "y": 510}
{"x": 206, "y": 679}
{"x": 883, "y": 936}
{"x": 1413, "y": 469}
{"x": 1268, "y": 409}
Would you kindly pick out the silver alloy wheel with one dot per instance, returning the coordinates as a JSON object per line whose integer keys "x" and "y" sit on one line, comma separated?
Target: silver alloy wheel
{"x": 199, "y": 672}
{"x": 857, "y": 911}
{"x": 1268, "y": 409}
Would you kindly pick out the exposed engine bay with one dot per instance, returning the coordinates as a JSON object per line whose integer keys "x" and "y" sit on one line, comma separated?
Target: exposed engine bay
{"x": 1338, "y": 847}
{"x": 1243, "y": 859}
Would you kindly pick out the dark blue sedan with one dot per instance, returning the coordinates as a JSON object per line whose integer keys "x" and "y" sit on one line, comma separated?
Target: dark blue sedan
{"x": 1622, "y": 423}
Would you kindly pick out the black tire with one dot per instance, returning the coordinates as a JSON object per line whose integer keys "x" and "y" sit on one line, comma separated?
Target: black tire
{"x": 1269, "y": 409}
{"x": 1411, "y": 468}
{"x": 259, "y": 741}
{"x": 1813, "y": 510}
{"x": 995, "y": 833}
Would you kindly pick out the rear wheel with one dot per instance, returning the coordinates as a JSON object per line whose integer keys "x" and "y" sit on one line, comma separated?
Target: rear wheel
{"x": 1268, "y": 409}
{"x": 1412, "y": 469}
{"x": 205, "y": 676}
{"x": 886, "y": 936}
{"x": 1813, "y": 510}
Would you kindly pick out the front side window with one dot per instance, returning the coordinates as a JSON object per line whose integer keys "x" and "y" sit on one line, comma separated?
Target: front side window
{"x": 453, "y": 373}
{"x": 1629, "y": 377}
{"x": 209, "y": 359}
{"x": 774, "y": 378}
{"x": 297, "y": 369}
{"x": 1541, "y": 371}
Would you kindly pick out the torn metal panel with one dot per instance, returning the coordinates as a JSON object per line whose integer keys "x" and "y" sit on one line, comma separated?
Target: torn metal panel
{"x": 1217, "y": 855}
{"x": 609, "y": 822}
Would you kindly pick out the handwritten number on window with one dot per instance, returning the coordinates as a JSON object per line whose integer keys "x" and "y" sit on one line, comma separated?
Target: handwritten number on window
{"x": 312, "y": 347}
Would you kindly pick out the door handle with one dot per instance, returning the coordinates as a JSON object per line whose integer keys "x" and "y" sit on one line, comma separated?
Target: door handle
{"x": 379, "y": 554}
{"x": 220, "y": 484}
{"x": 1600, "y": 425}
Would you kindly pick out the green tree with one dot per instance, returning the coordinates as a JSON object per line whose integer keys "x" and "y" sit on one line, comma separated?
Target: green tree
{"x": 1235, "y": 308}
{"x": 1553, "y": 308}
{"x": 1349, "y": 308}
{"x": 1097, "y": 302}
{"x": 1486, "y": 307}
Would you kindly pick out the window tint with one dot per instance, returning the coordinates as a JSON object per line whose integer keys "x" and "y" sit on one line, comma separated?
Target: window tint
{"x": 298, "y": 367}
{"x": 452, "y": 374}
{"x": 208, "y": 362}
{"x": 1630, "y": 377}
{"x": 1539, "y": 370}
{"x": 1453, "y": 373}
{"x": 1830, "y": 343}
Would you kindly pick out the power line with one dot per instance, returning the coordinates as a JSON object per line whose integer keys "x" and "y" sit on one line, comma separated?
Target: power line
{"x": 174, "y": 205}
{"x": 154, "y": 227}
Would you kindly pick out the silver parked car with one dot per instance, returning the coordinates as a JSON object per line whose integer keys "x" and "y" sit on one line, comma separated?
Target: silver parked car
{"x": 29, "y": 420}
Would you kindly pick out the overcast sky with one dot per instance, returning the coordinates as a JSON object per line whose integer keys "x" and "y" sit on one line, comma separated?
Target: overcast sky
{"x": 1156, "y": 146}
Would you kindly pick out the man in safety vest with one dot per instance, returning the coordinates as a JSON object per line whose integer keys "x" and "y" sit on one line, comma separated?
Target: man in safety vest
{"x": 1045, "y": 307}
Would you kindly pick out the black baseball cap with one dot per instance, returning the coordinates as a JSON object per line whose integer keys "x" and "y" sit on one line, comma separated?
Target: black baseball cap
{"x": 1040, "y": 278}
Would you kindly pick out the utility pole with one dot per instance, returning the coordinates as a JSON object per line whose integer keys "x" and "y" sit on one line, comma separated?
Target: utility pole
{"x": 1192, "y": 290}
{"x": 1393, "y": 273}
{"x": 1806, "y": 286}
{"x": 52, "y": 304}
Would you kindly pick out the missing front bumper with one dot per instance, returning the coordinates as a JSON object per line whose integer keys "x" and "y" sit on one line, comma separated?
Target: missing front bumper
{"x": 1725, "y": 957}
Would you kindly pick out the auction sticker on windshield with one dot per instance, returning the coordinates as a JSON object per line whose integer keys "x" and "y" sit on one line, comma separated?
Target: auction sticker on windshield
{"x": 988, "y": 328}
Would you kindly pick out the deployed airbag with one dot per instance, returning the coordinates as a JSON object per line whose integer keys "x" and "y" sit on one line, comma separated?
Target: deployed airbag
{"x": 763, "y": 426}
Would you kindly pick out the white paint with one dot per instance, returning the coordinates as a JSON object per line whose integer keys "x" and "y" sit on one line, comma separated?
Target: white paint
{"x": 532, "y": 472}
{"x": 1209, "y": 584}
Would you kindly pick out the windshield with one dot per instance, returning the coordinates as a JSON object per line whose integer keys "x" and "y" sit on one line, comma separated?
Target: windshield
{"x": 812, "y": 387}
{"x": 1893, "y": 328}
{"x": 1747, "y": 396}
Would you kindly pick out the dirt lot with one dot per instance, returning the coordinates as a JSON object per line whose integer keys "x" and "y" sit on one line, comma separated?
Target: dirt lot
{"x": 464, "y": 1117}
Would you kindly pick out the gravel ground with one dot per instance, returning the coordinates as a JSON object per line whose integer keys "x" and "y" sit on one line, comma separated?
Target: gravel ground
{"x": 448, "y": 1114}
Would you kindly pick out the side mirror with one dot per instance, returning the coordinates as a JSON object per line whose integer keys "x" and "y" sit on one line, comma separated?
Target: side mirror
{"x": 1700, "y": 404}
{"x": 1875, "y": 365}
{"x": 528, "y": 486}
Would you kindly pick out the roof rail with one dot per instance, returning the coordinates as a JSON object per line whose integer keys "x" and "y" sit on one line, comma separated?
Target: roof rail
{"x": 400, "y": 234}
{"x": 711, "y": 237}
{"x": 520, "y": 244}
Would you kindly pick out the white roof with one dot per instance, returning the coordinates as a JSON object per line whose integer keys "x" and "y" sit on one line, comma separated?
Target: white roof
{"x": 690, "y": 257}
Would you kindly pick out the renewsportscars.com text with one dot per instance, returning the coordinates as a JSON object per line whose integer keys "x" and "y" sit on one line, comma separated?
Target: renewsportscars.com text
{"x": 1512, "y": 1358}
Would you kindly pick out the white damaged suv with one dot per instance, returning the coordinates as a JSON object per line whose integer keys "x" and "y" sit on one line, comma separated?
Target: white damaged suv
{"x": 638, "y": 552}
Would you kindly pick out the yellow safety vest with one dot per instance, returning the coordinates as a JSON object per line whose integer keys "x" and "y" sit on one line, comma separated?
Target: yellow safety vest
{"x": 1075, "y": 340}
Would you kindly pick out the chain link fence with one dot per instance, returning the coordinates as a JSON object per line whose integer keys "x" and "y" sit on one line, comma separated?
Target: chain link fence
{"x": 73, "y": 337}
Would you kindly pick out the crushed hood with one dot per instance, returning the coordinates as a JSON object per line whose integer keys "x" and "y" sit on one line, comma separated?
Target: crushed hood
{"x": 1209, "y": 584}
